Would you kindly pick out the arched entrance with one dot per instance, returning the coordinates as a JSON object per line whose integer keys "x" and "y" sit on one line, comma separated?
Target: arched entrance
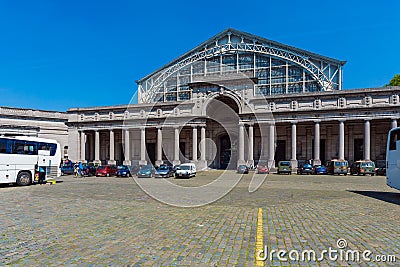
{"x": 222, "y": 123}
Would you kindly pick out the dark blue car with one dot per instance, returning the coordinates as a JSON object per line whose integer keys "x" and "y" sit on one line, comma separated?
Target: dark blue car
{"x": 320, "y": 169}
{"x": 67, "y": 168}
{"x": 123, "y": 171}
{"x": 305, "y": 169}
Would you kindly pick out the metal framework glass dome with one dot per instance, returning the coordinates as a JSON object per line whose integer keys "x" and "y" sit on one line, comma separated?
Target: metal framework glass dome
{"x": 273, "y": 67}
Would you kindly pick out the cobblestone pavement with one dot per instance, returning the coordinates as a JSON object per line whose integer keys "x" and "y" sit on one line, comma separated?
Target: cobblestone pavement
{"x": 112, "y": 222}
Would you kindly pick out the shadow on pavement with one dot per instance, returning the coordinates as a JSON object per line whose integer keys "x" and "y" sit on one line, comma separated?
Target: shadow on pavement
{"x": 389, "y": 197}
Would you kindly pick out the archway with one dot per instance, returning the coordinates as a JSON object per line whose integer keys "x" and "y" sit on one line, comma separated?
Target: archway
{"x": 222, "y": 124}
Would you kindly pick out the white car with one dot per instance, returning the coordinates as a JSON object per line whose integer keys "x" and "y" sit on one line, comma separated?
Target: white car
{"x": 186, "y": 170}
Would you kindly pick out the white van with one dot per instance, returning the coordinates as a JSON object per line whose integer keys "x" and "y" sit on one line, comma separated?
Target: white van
{"x": 186, "y": 170}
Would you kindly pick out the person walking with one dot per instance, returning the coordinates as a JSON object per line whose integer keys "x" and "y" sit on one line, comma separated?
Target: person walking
{"x": 42, "y": 175}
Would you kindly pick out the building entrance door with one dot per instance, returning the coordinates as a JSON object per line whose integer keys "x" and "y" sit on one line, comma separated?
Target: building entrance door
{"x": 151, "y": 152}
{"x": 225, "y": 151}
{"x": 280, "y": 153}
{"x": 358, "y": 149}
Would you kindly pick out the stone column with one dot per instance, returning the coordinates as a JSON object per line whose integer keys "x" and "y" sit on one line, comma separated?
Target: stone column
{"x": 271, "y": 146}
{"x": 203, "y": 163}
{"x": 294, "y": 145}
{"x": 251, "y": 145}
{"x": 317, "y": 146}
{"x": 241, "y": 145}
{"x": 176, "y": 146}
{"x": 97, "y": 147}
{"x": 341, "y": 140}
{"x": 83, "y": 146}
{"x": 159, "y": 160}
{"x": 127, "y": 148}
{"x": 367, "y": 140}
{"x": 143, "y": 160}
{"x": 394, "y": 123}
{"x": 112, "y": 149}
{"x": 194, "y": 138}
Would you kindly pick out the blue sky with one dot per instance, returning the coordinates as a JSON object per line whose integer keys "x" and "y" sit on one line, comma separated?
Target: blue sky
{"x": 60, "y": 54}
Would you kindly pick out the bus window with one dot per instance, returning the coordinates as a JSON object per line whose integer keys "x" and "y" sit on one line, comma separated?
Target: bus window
{"x": 3, "y": 146}
{"x": 394, "y": 136}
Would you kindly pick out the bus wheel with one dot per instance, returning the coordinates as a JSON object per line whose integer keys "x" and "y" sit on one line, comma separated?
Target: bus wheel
{"x": 24, "y": 178}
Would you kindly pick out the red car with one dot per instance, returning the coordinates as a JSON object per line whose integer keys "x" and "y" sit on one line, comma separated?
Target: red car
{"x": 106, "y": 170}
{"x": 261, "y": 168}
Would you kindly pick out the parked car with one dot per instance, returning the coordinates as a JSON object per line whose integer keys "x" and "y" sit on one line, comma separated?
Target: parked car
{"x": 262, "y": 168}
{"x": 284, "y": 167}
{"x": 320, "y": 169}
{"x": 337, "y": 166}
{"x": 106, "y": 170}
{"x": 305, "y": 169}
{"x": 67, "y": 167}
{"x": 164, "y": 171}
{"x": 381, "y": 171}
{"x": 146, "y": 171}
{"x": 362, "y": 167}
{"x": 186, "y": 170}
{"x": 242, "y": 169}
{"x": 123, "y": 171}
{"x": 89, "y": 169}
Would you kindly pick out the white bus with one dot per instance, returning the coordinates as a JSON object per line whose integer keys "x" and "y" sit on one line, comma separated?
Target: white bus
{"x": 393, "y": 159}
{"x": 20, "y": 156}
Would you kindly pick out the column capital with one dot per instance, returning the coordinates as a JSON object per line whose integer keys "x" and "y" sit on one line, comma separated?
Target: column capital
{"x": 368, "y": 119}
{"x": 294, "y": 122}
{"x": 158, "y": 127}
{"x": 317, "y": 121}
{"x": 194, "y": 126}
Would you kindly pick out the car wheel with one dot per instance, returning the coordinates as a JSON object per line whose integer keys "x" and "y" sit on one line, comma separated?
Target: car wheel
{"x": 24, "y": 178}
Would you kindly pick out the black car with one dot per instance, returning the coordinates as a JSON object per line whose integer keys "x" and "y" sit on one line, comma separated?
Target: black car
{"x": 243, "y": 169}
{"x": 89, "y": 169}
{"x": 305, "y": 169}
{"x": 164, "y": 171}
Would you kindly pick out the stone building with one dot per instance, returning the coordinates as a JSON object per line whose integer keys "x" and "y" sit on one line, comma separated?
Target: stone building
{"x": 239, "y": 99}
{"x": 39, "y": 123}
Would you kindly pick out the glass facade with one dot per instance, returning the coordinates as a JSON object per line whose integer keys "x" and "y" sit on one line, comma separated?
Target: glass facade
{"x": 236, "y": 63}
{"x": 274, "y": 76}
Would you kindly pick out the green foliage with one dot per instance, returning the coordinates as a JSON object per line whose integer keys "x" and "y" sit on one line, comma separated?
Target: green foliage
{"x": 395, "y": 81}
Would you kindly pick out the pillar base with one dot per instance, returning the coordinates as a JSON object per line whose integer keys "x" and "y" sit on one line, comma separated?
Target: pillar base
{"x": 111, "y": 162}
{"x": 271, "y": 164}
{"x": 201, "y": 165}
{"x": 250, "y": 163}
{"x": 316, "y": 162}
{"x": 176, "y": 162}
{"x": 97, "y": 162}
{"x": 127, "y": 162}
{"x": 142, "y": 162}
{"x": 159, "y": 162}
{"x": 240, "y": 162}
{"x": 83, "y": 160}
{"x": 294, "y": 164}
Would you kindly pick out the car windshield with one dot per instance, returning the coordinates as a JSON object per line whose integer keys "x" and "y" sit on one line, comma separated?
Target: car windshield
{"x": 101, "y": 167}
{"x": 186, "y": 168}
{"x": 163, "y": 168}
{"x": 122, "y": 167}
{"x": 368, "y": 164}
{"x": 307, "y": 166}
{"x": 285, "y": 163}
{"x": 146, "y": 168}
{"x": 242, "y": 166}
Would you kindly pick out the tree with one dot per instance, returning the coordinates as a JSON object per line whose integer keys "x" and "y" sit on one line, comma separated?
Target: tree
{"x": 395, "y": 81}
